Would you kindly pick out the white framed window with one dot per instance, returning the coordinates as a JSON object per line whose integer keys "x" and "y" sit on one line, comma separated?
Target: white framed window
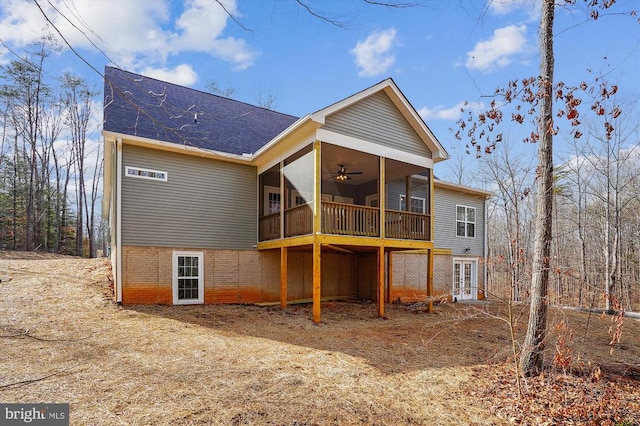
{"x": 417, "y": 204}
{"x": 138, "y": 172}
{"x": 465, "y": 221}
{"x": 188, "y": 277}
{"x": 297, "y": 199}
{"x": 271, "y": 200}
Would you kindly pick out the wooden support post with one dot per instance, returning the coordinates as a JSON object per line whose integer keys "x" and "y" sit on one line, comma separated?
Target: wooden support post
{"x": 317, "y": 248}
{"x": 381, "y": 276}
{"x": 389, "y": 278}
{"x": 430, "y": 280}
{"x": 431, "y": 205}
{"x": 283, "y": 276}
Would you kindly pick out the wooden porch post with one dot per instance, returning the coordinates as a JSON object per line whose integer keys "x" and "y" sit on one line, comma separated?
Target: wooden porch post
{"x": 430, "y": 204}
{"x": 317, "y": 188}
{"x": 381, "y": 276}
{"x": 283, "y": 200}
{"x": 382, "y": 201}
{"x": 283, "y": 277}
{"x": 430, "y": 280}
{"x": 407, "y": 190}
{"x": 316, "y": 281}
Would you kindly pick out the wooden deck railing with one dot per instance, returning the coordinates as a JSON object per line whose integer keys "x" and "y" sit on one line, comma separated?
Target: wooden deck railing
{"x": 269, "y": 227}
{"x": 407, "y": 225}
{"x": 347, "y": 219}
{"x": 350, "y": 219}
{"x": 298, "y": 220}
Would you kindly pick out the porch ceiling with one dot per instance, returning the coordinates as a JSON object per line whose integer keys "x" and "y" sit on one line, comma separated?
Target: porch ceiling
{"x": 333, "y": 156}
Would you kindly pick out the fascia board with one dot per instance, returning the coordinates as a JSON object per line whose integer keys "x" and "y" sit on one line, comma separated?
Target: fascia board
{"x": 463, "y": 188}
{"x": 184, "y": 149}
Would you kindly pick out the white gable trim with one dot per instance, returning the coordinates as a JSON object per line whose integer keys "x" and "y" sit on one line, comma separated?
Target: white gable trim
{"x": 400, "y": 101}
{"x": 320, "y": 115}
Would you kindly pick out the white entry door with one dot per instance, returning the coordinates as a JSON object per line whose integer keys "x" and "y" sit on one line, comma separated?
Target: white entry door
{"x": 464, "y": 279}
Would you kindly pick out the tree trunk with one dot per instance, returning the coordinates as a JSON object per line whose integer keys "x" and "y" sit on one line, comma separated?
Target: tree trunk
{"x": 531, "y": 360}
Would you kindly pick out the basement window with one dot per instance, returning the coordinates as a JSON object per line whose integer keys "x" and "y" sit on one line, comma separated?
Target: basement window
{"x": 188, "y": 277}
{"x": 138, "y": 172}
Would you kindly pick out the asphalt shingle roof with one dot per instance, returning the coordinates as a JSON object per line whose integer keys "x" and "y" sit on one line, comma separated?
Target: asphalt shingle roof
{"x": 141, "y": 106}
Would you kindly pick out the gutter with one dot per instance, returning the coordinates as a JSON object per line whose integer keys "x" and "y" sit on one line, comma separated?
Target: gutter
{"x": 175, "y": 147}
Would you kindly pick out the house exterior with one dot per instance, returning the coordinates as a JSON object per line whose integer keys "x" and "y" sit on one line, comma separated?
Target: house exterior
{"x": 211, "y": 200}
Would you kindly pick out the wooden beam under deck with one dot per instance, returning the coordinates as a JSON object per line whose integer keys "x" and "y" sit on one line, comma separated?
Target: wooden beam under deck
{"x": 346, "y": 240}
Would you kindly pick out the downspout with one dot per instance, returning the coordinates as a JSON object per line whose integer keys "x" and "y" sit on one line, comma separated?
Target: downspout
{"x": 118, "y": 199}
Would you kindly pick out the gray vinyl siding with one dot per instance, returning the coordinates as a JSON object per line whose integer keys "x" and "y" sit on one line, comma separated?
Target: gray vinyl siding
{"x": 203, "y": 204}
{"x": 376, "y": 119}
{"x": 445, "y": 202}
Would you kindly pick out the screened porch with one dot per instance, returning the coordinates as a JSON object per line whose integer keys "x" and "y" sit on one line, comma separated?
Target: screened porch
{"x": 349, "y": 184}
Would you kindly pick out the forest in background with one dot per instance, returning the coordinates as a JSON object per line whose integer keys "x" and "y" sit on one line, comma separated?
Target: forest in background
{"x": 596, "y": 218}
{"x": 50, "y": 158}
{"x": 50, "y": 187}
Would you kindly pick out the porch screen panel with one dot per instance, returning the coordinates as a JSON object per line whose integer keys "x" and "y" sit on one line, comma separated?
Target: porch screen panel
{"x": 298, "y": 174}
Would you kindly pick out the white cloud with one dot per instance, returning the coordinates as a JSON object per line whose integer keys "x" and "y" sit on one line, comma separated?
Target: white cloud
{"x": 499, "y": 50}
{"x": 374, "y": 56}
{"x": 130, "y": 32}
{"x": 455, "y": 112}
{"x": 503, "y": 7}
{"x": 182, "y": 75}
{"x": 506, "y": 7}
{"x": 201, "y": 26}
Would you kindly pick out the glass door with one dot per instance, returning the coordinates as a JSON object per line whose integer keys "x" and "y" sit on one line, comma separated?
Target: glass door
{"x": 464, "y": 282}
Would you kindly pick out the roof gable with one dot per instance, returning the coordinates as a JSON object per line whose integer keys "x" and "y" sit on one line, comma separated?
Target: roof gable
{"x": 408, "y": 112}
{"x": 377, "y": 119}
{"x": 145, "y": 107}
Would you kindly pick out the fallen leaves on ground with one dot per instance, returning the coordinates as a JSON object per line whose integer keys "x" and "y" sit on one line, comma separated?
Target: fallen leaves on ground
{"x": 588, "y": 395}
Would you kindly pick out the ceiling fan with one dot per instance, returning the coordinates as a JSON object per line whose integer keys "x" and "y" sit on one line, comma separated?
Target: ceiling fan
{"x": 342, "y": 173}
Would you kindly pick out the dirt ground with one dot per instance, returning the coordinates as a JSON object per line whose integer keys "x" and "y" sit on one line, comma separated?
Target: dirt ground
{"x": 64, "y": 340}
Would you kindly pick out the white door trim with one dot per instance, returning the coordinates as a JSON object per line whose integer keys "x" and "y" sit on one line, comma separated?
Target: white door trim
{"x": 456, "y": 288}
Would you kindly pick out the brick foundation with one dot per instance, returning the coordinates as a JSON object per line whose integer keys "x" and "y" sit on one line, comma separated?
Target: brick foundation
{"x": 251, "y": 276}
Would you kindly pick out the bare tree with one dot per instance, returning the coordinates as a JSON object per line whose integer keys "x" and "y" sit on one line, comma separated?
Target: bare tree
{"x": 512, "y": 176}
{"x": 534, "y": 97}
{"x": 214, "y": 88}
{"x": 77, "y": 101}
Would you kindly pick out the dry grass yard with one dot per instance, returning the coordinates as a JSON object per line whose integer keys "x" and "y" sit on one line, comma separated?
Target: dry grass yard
{"x": 63, "y": 340}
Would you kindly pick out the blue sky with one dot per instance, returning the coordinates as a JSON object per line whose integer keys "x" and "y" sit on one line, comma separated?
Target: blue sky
{"x": 440, "y": 53}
